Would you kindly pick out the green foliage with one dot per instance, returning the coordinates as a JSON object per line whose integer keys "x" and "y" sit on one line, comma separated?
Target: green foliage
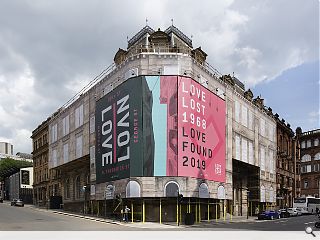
{"x": 9, "y": 166}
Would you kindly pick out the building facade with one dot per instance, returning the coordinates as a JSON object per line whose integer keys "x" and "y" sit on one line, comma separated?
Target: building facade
{"x": 46, "y": 181}
{"x": 6, "y": 148}
{"x": 310, "y": 156}
{"x": 19, "y": 185}
{"x": 243, "y": 176}
{"x": 287, "y": 162}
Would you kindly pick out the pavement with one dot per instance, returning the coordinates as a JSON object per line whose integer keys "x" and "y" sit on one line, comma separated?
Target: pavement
{"x": 147, "y": 225}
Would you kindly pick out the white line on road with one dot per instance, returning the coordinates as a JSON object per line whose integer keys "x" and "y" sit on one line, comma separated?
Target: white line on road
{"x": 309, "y": 222}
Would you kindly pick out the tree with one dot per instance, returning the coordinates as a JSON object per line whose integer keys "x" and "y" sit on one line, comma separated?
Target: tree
{"x": 9, "y": 166}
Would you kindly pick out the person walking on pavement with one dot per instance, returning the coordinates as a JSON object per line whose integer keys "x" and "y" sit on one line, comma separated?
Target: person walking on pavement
{"x": 126, "y": 213}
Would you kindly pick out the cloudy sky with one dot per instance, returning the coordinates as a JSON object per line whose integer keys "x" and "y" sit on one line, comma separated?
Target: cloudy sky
{"x": 50, "y": 49}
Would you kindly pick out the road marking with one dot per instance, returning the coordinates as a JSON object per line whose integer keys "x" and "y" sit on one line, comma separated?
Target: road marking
{"x": 310, "y": 222}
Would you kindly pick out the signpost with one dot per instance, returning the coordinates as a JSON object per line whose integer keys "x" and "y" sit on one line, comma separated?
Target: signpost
{"x": 108, "y": 194}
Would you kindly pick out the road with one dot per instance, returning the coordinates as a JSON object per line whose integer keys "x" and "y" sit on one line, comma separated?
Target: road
{"x": 30, "y": 218}
{"x": 284, "y": 224}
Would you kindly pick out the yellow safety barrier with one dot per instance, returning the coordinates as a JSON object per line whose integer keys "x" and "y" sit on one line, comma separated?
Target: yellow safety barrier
{"x": 160, "y": 212}
{"x": 177, "y": 213}
{"x": 132, "y": 212}
{"x": 143, "y": 212}
{"x": 216, "y": 212}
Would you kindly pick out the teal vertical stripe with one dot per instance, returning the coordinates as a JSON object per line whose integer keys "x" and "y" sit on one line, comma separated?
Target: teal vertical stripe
{"x": 159, "y": 121}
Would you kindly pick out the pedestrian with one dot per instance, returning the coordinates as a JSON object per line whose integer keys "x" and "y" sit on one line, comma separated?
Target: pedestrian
{"x": 126, "y": 213}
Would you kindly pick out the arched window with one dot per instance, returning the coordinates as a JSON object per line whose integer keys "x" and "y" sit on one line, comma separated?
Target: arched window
{"x": 317, "y": 156}
{"x": 221, "y": 192}
{"x": 133, "y": 189}
{"x": 77, "y": 187}
{"x": 203, "y": 191}
{"x": 67, "y": 189}
{"x": 306, "y": 158}
{"x": 171, "y": 189}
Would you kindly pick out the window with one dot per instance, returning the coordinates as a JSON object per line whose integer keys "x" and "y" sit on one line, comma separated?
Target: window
{"x": 271, "y": 160}
{"x": 317, "y": 156}
{"x": 67, "y": 189}
{"x": 54, "y": 157}
{"x": 250, "y": 124}
{"x": 271, "y": 195}
{"x": 237, "y": 156}
{"x": 54, "y": 133}
{"x": 78, "y": 116}
{"x": 133, "y": 189}
{"x": 303, "y": 144}
{"x": 92, "y": 156}
{"x": 316, "y": 142}
{"x": 270, "y": 131}
{"x": 262, "y": 194}
{"x": 65, "y": 125}
{"x": 65, "y": 153}
{"x": 237, "y": 111}
{"x": 305, "y": 185}
{"x": 262, "y": 127}
{"x": 251, "y": 153}
{"x": 77, "y": 187}
{"x": 308, "y": 168}
{"x": 308, "y": 143}
{"x": 244, "y": 156}
{"x": 79, "y": 147}
{"x": 316, "y": 167}
{"x": 306, "y": 158}
{"x": 244, "y": 116}
{"x": 92, "y": 124}
{"x": 171, "y": 189}
{"x": 262, "y": 158}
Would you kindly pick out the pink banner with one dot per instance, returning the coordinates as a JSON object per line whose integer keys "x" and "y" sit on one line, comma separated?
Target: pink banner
{"x": 201, "y": 132}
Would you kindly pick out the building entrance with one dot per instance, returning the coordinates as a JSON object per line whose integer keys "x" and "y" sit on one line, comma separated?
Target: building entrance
{"x": 246, "y": 188}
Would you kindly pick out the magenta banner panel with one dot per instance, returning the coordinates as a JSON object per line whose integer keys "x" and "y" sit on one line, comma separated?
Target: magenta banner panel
{"x": 201, "y": 132}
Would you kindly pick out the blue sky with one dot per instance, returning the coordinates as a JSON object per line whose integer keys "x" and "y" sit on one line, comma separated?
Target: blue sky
{"x": 294, "y": 95}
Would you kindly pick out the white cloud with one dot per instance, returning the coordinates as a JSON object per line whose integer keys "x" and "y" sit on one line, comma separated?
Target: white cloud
{"x": 48, "y": 51}
{"x": 314, "y": 119}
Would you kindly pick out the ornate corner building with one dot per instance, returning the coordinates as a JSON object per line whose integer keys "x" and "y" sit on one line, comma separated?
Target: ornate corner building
{"x": 310, "y": 164}
{"x": 288, "y": 162}
{"x": 160, "y": 123}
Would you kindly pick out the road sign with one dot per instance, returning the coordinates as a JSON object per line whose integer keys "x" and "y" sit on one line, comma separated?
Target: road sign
{"x": 109, "y": 192}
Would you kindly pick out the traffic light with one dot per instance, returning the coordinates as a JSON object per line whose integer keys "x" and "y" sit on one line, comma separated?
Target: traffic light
{"x": 180, "y": 198}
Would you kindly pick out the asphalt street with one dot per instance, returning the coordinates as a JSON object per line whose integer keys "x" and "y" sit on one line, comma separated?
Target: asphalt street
{"x": 29, "y": 218}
